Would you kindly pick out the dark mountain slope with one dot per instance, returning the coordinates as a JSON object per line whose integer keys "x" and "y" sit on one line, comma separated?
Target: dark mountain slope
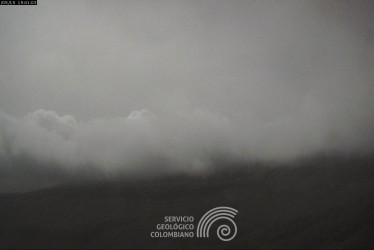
{"x": 323, "y": 203}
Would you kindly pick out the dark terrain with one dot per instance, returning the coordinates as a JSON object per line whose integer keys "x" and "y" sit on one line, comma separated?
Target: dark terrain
{"x": 324, "y": 202}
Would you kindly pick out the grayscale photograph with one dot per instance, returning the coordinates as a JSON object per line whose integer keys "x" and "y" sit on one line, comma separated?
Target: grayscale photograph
{"x": 178, "y": 124}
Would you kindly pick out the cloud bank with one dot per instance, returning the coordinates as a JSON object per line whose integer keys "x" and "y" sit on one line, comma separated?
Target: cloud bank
{"x": 49, "y": 146}
{"x": 139, "y": 88}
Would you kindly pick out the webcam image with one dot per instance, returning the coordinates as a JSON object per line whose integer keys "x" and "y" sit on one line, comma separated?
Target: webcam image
{"x": 187, "y": 124}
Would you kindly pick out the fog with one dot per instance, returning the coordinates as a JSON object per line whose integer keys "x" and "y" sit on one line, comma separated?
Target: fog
{"x": 141, "y": 88}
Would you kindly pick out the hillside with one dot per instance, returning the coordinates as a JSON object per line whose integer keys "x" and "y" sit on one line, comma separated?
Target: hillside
{"x": 325, "y": 203}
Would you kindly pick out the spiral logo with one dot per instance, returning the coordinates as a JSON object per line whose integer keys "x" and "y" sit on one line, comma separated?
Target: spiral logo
{"x": 224, "y": 231}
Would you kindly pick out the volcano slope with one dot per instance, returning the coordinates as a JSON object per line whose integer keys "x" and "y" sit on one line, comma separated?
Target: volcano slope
{"x": 324, "y": 202}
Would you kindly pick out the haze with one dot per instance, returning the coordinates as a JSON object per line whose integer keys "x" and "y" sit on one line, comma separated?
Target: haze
{"x": 151, "y": 87}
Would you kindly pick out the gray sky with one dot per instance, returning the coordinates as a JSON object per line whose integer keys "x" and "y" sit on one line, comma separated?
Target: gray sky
{"x": 267, "y": 79}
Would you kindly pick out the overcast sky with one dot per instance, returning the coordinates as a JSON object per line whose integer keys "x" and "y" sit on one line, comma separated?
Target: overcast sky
{"x": 115, "y": 83}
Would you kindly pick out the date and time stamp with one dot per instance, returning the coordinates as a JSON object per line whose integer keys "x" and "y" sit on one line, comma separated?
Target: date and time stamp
{"x": 18, "y": 2}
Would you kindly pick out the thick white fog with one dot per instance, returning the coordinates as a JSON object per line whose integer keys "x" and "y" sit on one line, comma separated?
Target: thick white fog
{"x": 146, "y": 88}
